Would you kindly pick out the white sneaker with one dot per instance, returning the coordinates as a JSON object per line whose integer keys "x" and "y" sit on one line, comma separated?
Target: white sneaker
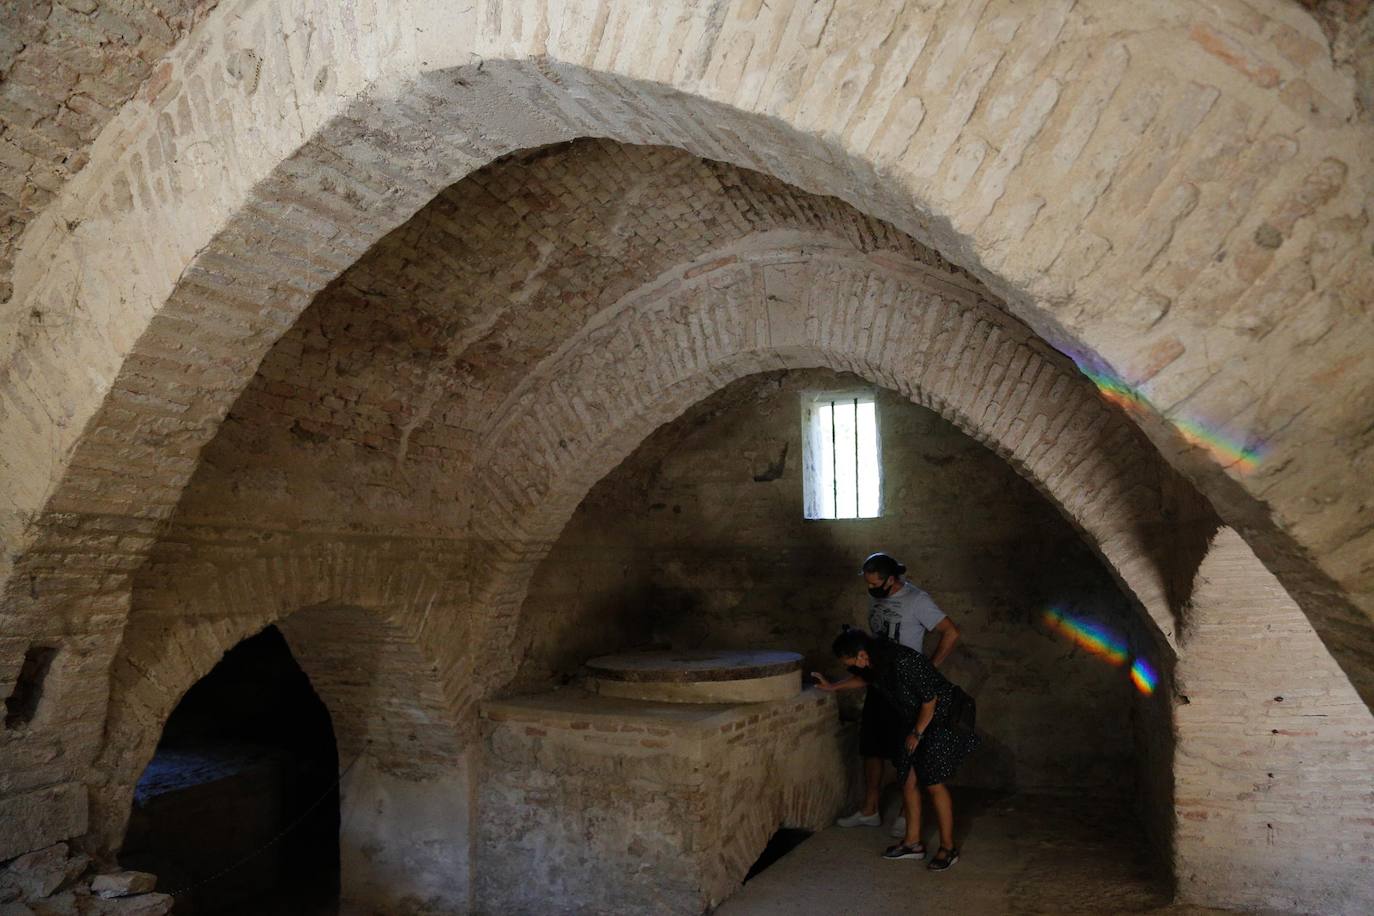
{"x": 898, "y": 828}
{"x": 859, "y": 819}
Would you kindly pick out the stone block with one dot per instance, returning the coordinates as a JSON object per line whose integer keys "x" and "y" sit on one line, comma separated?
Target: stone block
{"x": 123, "y": 883}
{"x": 42, "y": 817}
{"x": 40, "y": 873}
{"x": 64, "y": 904}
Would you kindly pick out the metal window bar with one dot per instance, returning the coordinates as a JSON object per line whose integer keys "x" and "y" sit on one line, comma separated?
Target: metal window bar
{"x": 857, "y": 507}
{"x": 834, "y": 469}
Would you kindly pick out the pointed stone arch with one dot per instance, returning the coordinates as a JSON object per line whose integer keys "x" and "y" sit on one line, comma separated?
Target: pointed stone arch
{"x": 801, "y": 300}
{"x": 362, "y": 627}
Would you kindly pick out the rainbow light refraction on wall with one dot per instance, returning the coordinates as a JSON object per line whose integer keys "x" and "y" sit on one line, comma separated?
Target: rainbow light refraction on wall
{"x": 1099, "y": 640}
{"x": 1245, "y": 458}
{"x": 1143, "y": 676}
{"x": 1091, "y": 636}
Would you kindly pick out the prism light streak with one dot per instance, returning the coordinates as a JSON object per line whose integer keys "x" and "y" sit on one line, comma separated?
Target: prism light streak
{"x": 1143, "y": 676}
{"x": 1092, "y": 637}
{"x": 1243, "y": 457}
{"x": 1100, "y": 641}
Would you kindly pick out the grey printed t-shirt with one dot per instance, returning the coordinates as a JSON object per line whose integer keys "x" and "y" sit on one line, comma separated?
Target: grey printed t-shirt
{"x": 906, "y": 616}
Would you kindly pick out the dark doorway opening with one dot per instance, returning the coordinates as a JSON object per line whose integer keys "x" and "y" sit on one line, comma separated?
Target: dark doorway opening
{"x": 779, "y": 844}
{"x": 238, "y": 812}
{"x": 22, "y": 703}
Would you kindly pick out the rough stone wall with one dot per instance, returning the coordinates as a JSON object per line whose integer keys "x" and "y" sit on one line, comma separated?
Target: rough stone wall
{"x": 698, "y": 540}
{"x": 1349, "y": 25}
{"x": 1275, "y": 796}
{"x": 610, "y": 806}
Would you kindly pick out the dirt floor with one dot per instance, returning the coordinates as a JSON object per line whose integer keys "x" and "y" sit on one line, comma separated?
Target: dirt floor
{"x": 1019, "y": 855}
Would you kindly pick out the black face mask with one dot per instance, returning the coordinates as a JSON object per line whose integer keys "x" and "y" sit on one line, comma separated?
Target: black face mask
{"x": 858, "y": 672}
{"x": 878, "y": 591}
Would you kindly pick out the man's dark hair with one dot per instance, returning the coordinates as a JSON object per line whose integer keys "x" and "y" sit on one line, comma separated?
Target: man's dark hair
{"x": 883, "y": 565}
{"x": 849, "y": 642}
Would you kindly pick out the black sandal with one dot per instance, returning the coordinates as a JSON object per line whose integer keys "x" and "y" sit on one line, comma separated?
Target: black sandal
{"x": 903, "y": 851}
{"x": 944, "y": 858}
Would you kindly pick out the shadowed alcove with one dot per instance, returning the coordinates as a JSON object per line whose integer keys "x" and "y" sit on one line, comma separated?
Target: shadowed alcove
{"x": 238, "y": 811}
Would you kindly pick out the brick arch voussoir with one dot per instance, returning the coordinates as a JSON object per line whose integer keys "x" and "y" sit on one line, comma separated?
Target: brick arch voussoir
{"x": 184, "y": 629}
{"x": 654, "y": 355}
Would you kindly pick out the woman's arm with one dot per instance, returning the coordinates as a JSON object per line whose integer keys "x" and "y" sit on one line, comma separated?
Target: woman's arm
{"x": 850, "y": 683}
{"x": 922, "y": 723}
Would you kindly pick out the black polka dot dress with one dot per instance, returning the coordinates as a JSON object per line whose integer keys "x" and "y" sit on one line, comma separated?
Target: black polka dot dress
{"x": 907, "y": 679}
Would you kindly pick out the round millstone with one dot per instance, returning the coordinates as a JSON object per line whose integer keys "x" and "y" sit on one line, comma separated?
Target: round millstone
{"x": 698, "y": 676}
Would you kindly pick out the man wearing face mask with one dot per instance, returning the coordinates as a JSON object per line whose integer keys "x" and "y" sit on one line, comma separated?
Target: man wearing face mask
{"x": 904, "y": 613}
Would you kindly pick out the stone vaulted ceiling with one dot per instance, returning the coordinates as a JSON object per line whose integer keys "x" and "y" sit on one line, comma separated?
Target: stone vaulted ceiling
{"x": 67, "y": 65}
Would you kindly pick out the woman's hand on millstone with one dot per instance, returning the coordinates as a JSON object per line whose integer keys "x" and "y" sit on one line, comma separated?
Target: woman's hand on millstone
{"x": 821, "y": 682}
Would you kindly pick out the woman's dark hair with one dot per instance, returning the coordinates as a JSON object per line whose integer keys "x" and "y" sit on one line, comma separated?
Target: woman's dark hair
{"x": 883, "y": 565}
{"x": 850, "y": 642}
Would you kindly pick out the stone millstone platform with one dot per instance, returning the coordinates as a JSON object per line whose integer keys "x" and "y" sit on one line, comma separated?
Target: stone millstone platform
{"x": 700, "y": 676}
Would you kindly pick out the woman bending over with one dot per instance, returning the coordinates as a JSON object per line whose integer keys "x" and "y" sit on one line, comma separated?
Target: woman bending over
{"x": 924, "y": 747}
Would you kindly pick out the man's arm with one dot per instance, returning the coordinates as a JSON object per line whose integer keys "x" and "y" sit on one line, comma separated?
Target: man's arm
{"x": 949, "y": 635}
